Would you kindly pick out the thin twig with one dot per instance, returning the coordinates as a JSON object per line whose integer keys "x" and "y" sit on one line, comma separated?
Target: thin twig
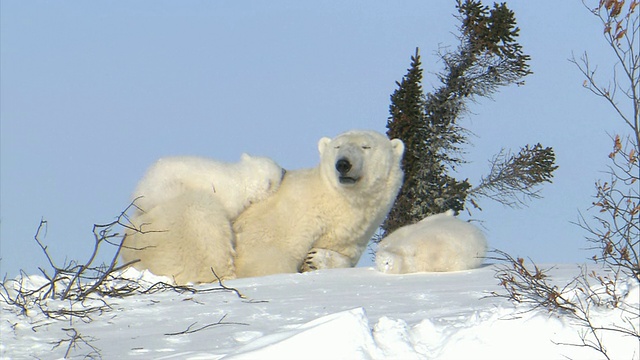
{"x": 190, "y": 330}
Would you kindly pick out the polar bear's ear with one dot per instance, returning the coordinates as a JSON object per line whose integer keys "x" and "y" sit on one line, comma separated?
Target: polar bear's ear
{"x": 398, "y": 147}
{"x": 245, "y": 157}
{"x": 322, "y": 144}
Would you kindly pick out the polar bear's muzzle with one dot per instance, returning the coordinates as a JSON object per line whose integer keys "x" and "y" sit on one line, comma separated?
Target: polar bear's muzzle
{"x": 344, "y": 167}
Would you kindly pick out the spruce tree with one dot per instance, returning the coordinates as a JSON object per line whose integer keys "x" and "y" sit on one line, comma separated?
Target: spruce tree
{"x": 487, "y": 58}
{"x": 427, "y": 188}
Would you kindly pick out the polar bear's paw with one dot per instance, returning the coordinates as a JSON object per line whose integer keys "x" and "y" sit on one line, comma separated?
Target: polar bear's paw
{"x": 318, "y": 259}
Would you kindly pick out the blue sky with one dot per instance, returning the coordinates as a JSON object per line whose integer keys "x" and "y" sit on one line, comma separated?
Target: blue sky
{"x": 91, "y": 93}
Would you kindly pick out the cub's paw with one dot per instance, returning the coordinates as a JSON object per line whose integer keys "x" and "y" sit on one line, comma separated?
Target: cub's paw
{"x": 324, "y": 259}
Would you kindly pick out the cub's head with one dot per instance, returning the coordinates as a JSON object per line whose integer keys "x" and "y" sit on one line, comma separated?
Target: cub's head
{"x": 365, "y": 161}
{"x": 389, "y": 262}
{"x": 262, "y": 177}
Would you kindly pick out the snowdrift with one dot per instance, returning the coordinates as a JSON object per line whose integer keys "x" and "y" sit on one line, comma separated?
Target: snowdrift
{"x": 335, "y": 314}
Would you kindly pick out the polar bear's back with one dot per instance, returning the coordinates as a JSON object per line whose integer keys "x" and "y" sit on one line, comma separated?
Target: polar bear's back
{"x": 172, "y": 176}
{"x": 438, "y": 243}
{"x": 448, "y": 244}
{"x": 235, "y": 185}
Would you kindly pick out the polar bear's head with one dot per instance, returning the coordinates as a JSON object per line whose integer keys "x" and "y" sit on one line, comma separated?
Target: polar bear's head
{"x": 365, "y": 162}
{"x": 261, "y": 175}
{"x": 389, "y": 262}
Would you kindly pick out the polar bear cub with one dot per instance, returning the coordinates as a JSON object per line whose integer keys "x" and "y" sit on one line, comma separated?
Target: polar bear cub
{"x": 235, "y": 185}
{"x": 186, "y": 208}
{"x": 437, "y": 243}
{"x": 322, "y": 217}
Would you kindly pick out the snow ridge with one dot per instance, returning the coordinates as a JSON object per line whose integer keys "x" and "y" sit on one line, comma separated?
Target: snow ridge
{"x": 339, "y": 314}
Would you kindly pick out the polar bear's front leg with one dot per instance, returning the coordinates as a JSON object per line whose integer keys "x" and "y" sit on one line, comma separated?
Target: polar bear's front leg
{"x": 318, "y": 258}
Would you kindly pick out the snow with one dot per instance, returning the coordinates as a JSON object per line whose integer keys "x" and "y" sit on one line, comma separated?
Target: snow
{"x": 356, "y": 313}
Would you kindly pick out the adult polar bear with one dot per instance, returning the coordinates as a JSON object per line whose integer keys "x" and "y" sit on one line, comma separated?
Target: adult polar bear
{"x": 186, "y": 206}
{"x": 326, "y": 214}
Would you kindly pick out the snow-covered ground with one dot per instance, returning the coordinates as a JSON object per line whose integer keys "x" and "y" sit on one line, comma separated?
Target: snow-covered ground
{"x": 354, "y": 313}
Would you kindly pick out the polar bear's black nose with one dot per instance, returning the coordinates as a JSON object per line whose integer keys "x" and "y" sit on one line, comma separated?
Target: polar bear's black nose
{"x": 343, "y": 166}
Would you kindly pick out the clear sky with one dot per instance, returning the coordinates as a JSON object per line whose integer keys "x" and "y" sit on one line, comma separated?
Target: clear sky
{"x": 92, "y": 93}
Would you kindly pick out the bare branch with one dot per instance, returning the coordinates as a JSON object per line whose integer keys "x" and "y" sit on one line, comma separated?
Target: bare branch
{"x": 191, "y": 330}
{"x": 513, "y": 178}
{"x": 225, "y": 287}
{"x": 76, "y": 341}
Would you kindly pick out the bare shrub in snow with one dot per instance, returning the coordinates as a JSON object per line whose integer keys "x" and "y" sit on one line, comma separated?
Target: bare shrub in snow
{"x": 614, "y": 231}
{"x": 580, "y": 300}
{"x": 80, "y": 291}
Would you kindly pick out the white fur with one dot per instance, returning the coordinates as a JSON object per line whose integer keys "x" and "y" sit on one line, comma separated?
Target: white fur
{"x": 437, "y": 243}
{"x": 235, "y": 185}
{"x": 315, "y": 214}
{"x": 186, "y": 208}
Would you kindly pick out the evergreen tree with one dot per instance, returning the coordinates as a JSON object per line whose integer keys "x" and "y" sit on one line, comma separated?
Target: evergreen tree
{"x": 487, "y": 57}
{"x": 427, "y": 188}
